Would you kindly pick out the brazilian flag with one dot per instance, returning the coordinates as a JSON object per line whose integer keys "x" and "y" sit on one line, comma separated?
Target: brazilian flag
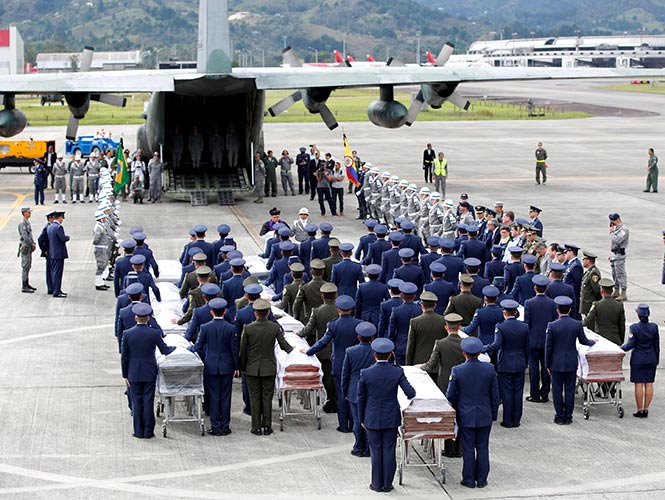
{"x": 121, "y": 171}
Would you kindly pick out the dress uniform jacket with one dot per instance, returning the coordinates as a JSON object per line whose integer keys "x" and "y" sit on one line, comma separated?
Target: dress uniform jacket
{"x": 398, "y": 327}
{"x": 464, "y": 304}
{"x": 207, "y": 248}
{"x": 305, "y": 252}
{"x": 279, "y": 269}
{"x": 219, "y": 343}
{"x": 363, "y": 245}
{"x": 511, "y": 272}
{"x": 557, "y": 288}
{"x": 425, "y": 261}
{"x": 150, "y": 261}
{"x": 127, "y": 319}
{"x": 57, "y": 241}
{"x": 645, "y": 341}
{"x": 454, "y": 266}
{"x": 122, "y": 267}
{"x": 443, "y": 290}
{"x": 123, "y": 301}
{"x": 475, "y": 248}
{"x": 523, "y": 288}
{"x": 245, "y": 316}
{"x": 386, "y": 310}
{"x": 485, "y": 321}
{"x": 538, "y": 312}
{"x": 200, "y": 317}
{"x": 560, "y": 348}
{"x": 410, "y": 273}
{"x": 330, "y": 262}
{"x": 358, "y": 357}
{"x": 346, "y": 275}
{"x": 320, "y": 249}
{"x": 138, "y": 353}
{"x": 590, "y": 291}
{"x": 414, "y": 243}
{"x": 188, "y": 269}
{"x": 369, "y": 297}
{"x": 269, "y": 243}
{"x": 573, "y": 277}
{"x": 474, "y": 393}
{"x": 608, "y": 319}
{"x": 511, "y": 341}
{"x": 232, "y": 289}
{"x": 257, "y": 348}
{"x": 377, "y": 395}
{"x": 478, "y": 284}
{"x": 375, "y": 252}
{"x": 289, "y": 294}
{"x": 276, "y": 253}
{"x": 190, "y": 283}
{"x": 389, "y": 262}
{"x": 146, "y": 279}
{"x": 447, "y": 353}
{"x": 308, "y": 298}
{"x": 341, "y": 332}
{"x": 424, "y": 331}
{"x": 317, "y": 325}
{"x": 494, "y": 268}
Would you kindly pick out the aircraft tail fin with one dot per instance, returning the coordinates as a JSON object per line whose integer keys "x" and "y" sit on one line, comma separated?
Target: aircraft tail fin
{"x": 370, "y": 58}
{"x": 214, "y": 48}
{"x": 431, "y": 59}
{"x": 338, "y": 56}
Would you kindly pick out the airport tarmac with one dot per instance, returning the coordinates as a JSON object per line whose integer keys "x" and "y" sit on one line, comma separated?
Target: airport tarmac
{"x": 66, "y": 429}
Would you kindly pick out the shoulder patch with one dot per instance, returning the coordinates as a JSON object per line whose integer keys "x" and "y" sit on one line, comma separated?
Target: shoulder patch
{"x": 595, "y": 278}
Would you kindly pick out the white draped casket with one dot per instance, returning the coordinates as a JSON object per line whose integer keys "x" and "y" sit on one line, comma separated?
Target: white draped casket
{"x": 600, "y": 363}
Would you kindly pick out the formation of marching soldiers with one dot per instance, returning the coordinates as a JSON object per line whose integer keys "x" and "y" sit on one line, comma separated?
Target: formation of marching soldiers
{"x": 105, "y": 233}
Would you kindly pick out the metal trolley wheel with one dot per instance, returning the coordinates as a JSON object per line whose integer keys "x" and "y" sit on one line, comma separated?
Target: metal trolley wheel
{"x": 443, "y": 475}
{"x": 586, "y": 413}
{"x": 203, "y": 429}
{"x": 400, "y": 473}
{"x": 620, "y": 411}
{"x": 164, "y": 430}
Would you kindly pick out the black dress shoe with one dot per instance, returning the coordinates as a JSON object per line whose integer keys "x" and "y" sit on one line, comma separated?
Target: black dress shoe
{"x": 60, "y": 296}
{"x": 467, "y": 484}
{"x": 388, "y": 489}
{"x": 639, "y": 414}
{"x": 137, "y": 437}
{"x": 267, "y": 431}
{"x": 149, "y": 436}
{"x": 645, "y": 413}
{"x": 357, "y": 453}
{"x": 343, "y": 431}
{"x": 27, "y": 290}
{"x": 373, "y": 488}
{"x": 225, "y": 432}
{"x": 101, "y": 288}
{"x": 533, "y": 400}
{"x": 504, "y": 424}
{"x": 482, "y": 485}
{"x": 545, "y": 400}
{"x": 257, "y": 432}
{"x": 31, "y": 287}
{"x": 213, "y": 432}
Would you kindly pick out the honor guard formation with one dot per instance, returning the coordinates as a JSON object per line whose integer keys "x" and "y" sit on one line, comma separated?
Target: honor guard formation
{"x": 469, "y": 294}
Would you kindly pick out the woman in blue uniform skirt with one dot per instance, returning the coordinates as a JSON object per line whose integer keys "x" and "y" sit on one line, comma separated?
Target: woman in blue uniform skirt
{"x": 644, "y": 341}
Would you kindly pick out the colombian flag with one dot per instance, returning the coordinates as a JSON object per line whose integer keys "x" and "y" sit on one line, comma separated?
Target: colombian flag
{"x": 121, "y": 173}
{"x": 350, "y": 165}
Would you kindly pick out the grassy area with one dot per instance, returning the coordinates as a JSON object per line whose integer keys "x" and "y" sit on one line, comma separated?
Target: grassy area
{"x": 651, "y": 88}
{"x": 347, "y": 105}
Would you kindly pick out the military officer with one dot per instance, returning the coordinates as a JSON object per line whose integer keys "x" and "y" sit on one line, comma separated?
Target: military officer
{"x": 333, "y": 258}
{"x": 370, "y": 295}
{"x": 100, "y": 241}
{"x": 472, "y": 266}
{"x": 474, "y": 248}
{"x": 619, "y": 236}
{"x": 607, "y": 316}
{"x": 377, "y": 248}
{"x": 341, "y": 332}
{"x": 218, "y": 342}
{"x": 409, "y": 271}
{"x": 431, "y": 256}
{"x": 139, "y": 369}
{"x": 541, "y": 165}
{"x": 143, "y": 249}
{"x": 511, "y": 343}
{"x": 126, "y": 318}
{"x": 92, "y": 168}
{"x": 280, "y": 267}
{"x": 557, "y": 287}
{"x": 379, "y": 413}
{"x": 590, "y": 291}
{"x": 561, "y": 358}
{"x": 410, "y": 240}
{"x": 495, "y": 266}
{"x": 190, "y": 281}
{"x": 424, "y": 331}
{"x": 365, "y": 240}
{"x": 387, "y": 307}
{"x": 538, "y": 312}
{"x": 57, "y": 252}
{"x": 573, "y": 274}
{"x": 347, "y": 273}
{"x": 43, "y": 243}
{"x": 652, "y": 172}
{"x": 314, "y": 330}
{"x": 454, "y": 265}
{"x": 60, "y": 171}
{"x": 400, "y": 319}
{"x": 514, "y": 268}
{"x": 390, "y": 259}
{"x": 291, "y": 290}
{"x": 440, "y": 287}
{"x": 257, "y": 361}
{"x": 446, "y": 354}
{"x": 486, "y": 318}
{"x": 534, "y": 213}
{"x": 309, "y": 295}
{"x": 466, "y": 303}
{"x": 305, "y": 249}
{"x": 144, "y": 277}
{"x": 26, "y": 246}
{"x": 357, "y": 358}
{"x": 76, "y": 171}
{"x": 320, "y": 249}
{"x": 523, "y": 287}
{"x": 195, "y": 296}
{"x": 473, "y": 392}
{"x": 201, "y": 315}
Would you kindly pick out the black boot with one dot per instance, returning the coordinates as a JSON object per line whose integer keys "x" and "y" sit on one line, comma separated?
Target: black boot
{"x": 31, "y": 287}
{"x": 26, "y": 288}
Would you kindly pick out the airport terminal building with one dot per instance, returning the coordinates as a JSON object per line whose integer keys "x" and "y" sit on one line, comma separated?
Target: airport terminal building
{"x": 627, "y": 51}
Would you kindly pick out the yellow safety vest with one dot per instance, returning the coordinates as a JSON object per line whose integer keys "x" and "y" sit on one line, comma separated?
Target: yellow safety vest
{"x": 440, "y": 167}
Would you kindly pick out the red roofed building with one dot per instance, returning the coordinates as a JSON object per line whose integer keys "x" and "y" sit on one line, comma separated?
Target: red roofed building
{"x": 12, "y": 59}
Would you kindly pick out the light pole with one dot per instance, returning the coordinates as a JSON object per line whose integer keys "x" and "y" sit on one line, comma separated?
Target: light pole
{"x": 284, "y": 39}
{"x": 263, "y": 58}
{"x": 418, "y": 47}
{"x": 316, "y": 54}
{"x": 157, "y": 51}
{"x": 344, "y": 46}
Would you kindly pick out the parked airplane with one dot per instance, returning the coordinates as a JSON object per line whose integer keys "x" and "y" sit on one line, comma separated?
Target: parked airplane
{"x": 213, "y": 96}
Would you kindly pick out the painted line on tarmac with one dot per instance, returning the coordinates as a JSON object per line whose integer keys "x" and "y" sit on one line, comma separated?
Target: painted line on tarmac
{"x": 4, "y": 219}
{"x": 53, "y": 333}
{"x": 125, "y": 484}
{"x": 249, "y": 228}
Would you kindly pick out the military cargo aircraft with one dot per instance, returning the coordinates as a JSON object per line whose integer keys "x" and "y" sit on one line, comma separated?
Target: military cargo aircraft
{"x": 216, "y": 97}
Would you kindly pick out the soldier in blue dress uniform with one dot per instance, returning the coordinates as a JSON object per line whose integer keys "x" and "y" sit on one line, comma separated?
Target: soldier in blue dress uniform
{"x": 305, "y": 249}
{"x": 431, "y": 256}
{"x": 366, "y": 240}
{"x": 370, "y": 295}
{"x": 387, "y": 306}
{"x": 390, "y": 259}
{"x": 376, "y": 248}
{"x": 454, "y": 265}
{"x": 440, "y": 287}
{"x": 514, "y": 268}
{"x": 561, "y": 358}
{"x": 474, "y": 393}
{"x": 379, "y": 412}
{"x": 398, "y": 326}
{"x": 473, "y": 269}
{"x": 486, "y": 319}
{"x": 573, "y": 275}
{"x": 347, "y": 274}
{"x": 523, "y": 287}
{"x": 409, "y": 271}
{"x": 494, "y": 267}
{"x": 320, "y": 248}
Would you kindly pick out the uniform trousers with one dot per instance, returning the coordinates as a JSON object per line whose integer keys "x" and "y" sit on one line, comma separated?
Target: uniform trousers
{"x": 176, "y": 156}
{"x": 400, "y": 359}
{"x": 541, "y": 169}
{"x": 57, "y": 268}
{"x": 259, "y": 185}
{"x": 196, "y": 158}
{"x": 261, "y": 391}
{"x": 232, "y": 155}
{"x": 60, "y": 184}
{"x": 49, "y": 277}
{"x": 303, "y": 178}
{"x": 155, "y": 188}
{"x": 652, "y": 180}
{"x": 287, "y": 183}
{"x": 270, "y": 183}
{"x": 362, "y": 205}
{"x": 313, "y": 183}
{"x": 563, "y": 404}
{"x": 618, "y": 266}
{"x": 511, "y": 389}
{"x": 344, "y": 416}
{"x": 219, "y": 388}
{"x": 440, "y": 185}
{"x": 26, "y": 263}
{"x": 382, "y": 444}
{"x": 143, "y": 400}
{"x": 39, "y": 194}
{"x": 427, "y": 169}
{"x": 324, "y": 192}
{"x": 77, "y": 188}
{"x": 328, "y": 382}
{"x": 539, "y": 379}
{"x": 476, "y": 454}
{"x": 360, "y": 446}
